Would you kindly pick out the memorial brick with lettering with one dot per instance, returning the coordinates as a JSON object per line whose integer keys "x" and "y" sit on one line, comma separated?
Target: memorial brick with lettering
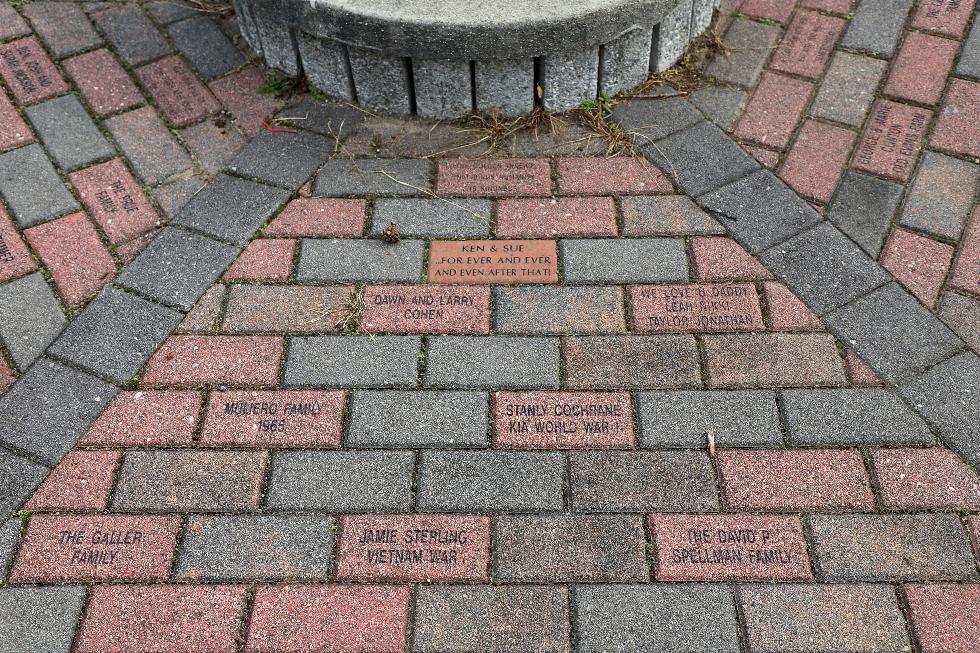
{"x": 15, "y": 259}
{"x": 426, "y": 309}
{"x": 495, "y": 177}
{"x": 28, "y": 71}
{"x": 695, "y": 308}
{"x": 431, "y": 548}
{"x": 807, "y": 44}
{"x": 97, "y": 548}
{"x": 182, "y": 97}
{"x": 280, "y": 418}
{"x": 729, "y": 547}
{"x": 563, "y": 420}
{"x": 114, "y": 199}
{"x": 493, "y": 261}
{"x": 892, "y": 140}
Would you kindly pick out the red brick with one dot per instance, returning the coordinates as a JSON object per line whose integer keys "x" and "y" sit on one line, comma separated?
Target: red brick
{"x": 239, "y": 93}
{"x": 796, "y": 480}
{"x": 188, "y": 361}
{"x": 81, "y": 482}
{"x": 929, "y": 479}
{"x": 282, "y": 418}
{"x": 958, "y": 128}
{"x": 787, "y": 312}
{"x": 777, "y": 10}
{"x": 307, "y": 189}
{"x": 892, "y": 140}
{"x": 858, "y": 371}
{"x": 426, "y": 309}
{"x": 768, "y": 158}
{"x": 103, "y": 83}
{"x": 775, "y": 108}
{"x": 772, "y": 360}
{"x": 807, "y": 44}
{"x": 329, "y": 618}
{"x": 729, "y": 547}
{"x": 695, "y": 308}
{"x": 815, "y": 164}
{"x": 943, "y": 16}
{"x": 72, "y": 252}
{"x": 563, "y": 420}
{"x": 493, "y": 261}
{"x": 146, "y": 419}
{"x": 127, "y": 251}
{"x": 408, "y": 548}
{"x": 14, "y": 132}
{"x": 945, "y": 616}
{"x": 556, "y": 218}
{"x": 494, "y": 177}
{"x": 973, "y": 525}
{"x": 265, "y": 259}
{"x": 918, "y": 263}
{"x": 920, "y": 70}
{"x": 203, "y": 317}
{"x": 28, "y": 71}
{"x": 115, "y": 200}
{"x": 966, "y": 271}
{"x": 842, "y": 7}
{"x": 185, "y": 618}
{"x": 182, "y": 97}
{"x": 722, "y": 259}
{"x": 15, "y": 259}
{"x": 319, "y": 218}
{"x": 618, "y": 175}
{"x": 7, "y": 376}
{"x": 62, "y": 549}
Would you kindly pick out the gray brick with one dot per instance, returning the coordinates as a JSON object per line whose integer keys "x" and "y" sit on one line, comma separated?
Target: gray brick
{"x": 941, "y": 199}
{"x": 211, "y": 145}
{"x": 11, "y": 24}
{"x": 672, "y": 36}
{"x": 68, "y": 132}
{"x": 848, "y": 89}
{"x": 670, "y": 215}
{"x": 49, "y": 408}
{"x": 39, "y": 619}
{"x": 850, "y": 417}
{"x": 443, "y": 88}
{"x": 325, "y": 65}
{"x": 505, "y": 85}
{"x": 30, "y": 318}
{"x": 569, "y": 548}
{"x": 721, "y": 104}
{"x": 231, "y": 209}
{"x": 691, "y": 618}
{"x": 381, "y": 82}
{"x": 177, "y": 267}
{"x": 173, "y": 195}
{"x": 62, "y": 26}
{"x": 132, "y": 33}
{"x": 414, "y": 419}
{"x": 516, "y": 619}
{"x": 863, "y": 209}
{"x": 877, "y": 26}
{"x": 625, "y": 61}
{"x": 31, "y": 188}
{"x": 149, "y": 147}
{"x": 683, "y": 418}
{"x": 207, "y": 48}
{"x": 555, "y": 310}
{"x": 969, "y": 64}
{"x": 893, "y": 333}
{"x": 427, "y": 218}
{"x": 642, "y": 481}
{"x": 341, "y": 481}
{"x": 343, "y": 177}
{"x": 329, "y": 119}
{"x": 282, "y": 159}
{"x": 492, "y": 362}
{"x": 347, "y": 261}
{"x": 617, "y": 362}
{"x": 569, "y": 79}
{"x": 256, "y": 547}
{"x": 701, "y": 158}
{"x": 635, "y": 260}
{"x": 760, "y": 210}
{"x": 168, "y": 11}
{"x": 354, "y": 361}
{"x": 655, "y": 117}
{"x": 275, "y": 37}
{"x": 892, "y": 547}
{"x": 961, "y": 313}
{"x": 9, "y": 540}
{"x": 19, "y": 477}
{"x": 750, "y": 44}
{"x": 490, "y": 481}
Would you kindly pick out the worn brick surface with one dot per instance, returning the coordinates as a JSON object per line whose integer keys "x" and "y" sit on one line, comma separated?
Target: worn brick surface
{"x": 816, "y": 161}
{"x": 494, "y": 178}
{"x": 918, "y": 263}
{"x": 146, "y": 418}
{"x": 211, "y": 145}
{"x": 945, "y": 616}
{"x": 670, "y": 215}
{"x": 558, "y": 310}
{"x": 283, "y": 418}
{"x": 929, "y": 479}
{"x": 750, "y": 43}
{"x": 966, "y": 270}
{"x": 15, "y": 258}
{"x": 28, "y": 72}
{"x": 114, "y": 200}
{"x": 610, "y": 176}
{"x": 722, "y": 259}
{"x": 774, "y": 110}
{"x": 563, "y": 420}
{"x": 848, "y": 89}
{"x": 807, "y": 44}
{"x": 81, "y": 482}
{"x": 695, "y": 308}
{"x": 343, "y": 178}
{"x": 426, "y": 309}
{"x": 233, "y": 360}
{"x": 958, "y": 127}
{"x": 319, "y": 218}
{"x": 774, "y": 10}
{"x": 961, "y": 313}
{"x": 283, "y": 309}
{"x": 772, "y": 360}
{"x": 72, "y": 252}
{"x": 265, "y": 259}
{"x": 354, "y": 362}
{"x": 919, "y": 71}
{"x": 203, "y": 317}
{"x": 239, "y": 94}
{"x": 11, "y": 23}
{"x": 432, "y": 218}
{"x": 103, "y": 83}
{"x": 616, "y": 362}
{"x": 891, "y": 140}
{"x": 556, "y": 218}
{"x": 947, "y": 17}
{"x": 787, "y": 312}
{"x": 148, "y": 145}
{"x": 13, "y": 130}
{"x": 360, "y": 260}
{"x": 62, "y": 26}
{"x": 863, "y": 209}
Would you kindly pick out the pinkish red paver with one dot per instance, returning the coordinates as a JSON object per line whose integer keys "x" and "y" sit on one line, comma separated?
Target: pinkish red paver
{"x": 966, "y": 271}
{"x": 146, "y": 418}
{"x": 729, "y": 547}
{"x": 563, "y": 420}
{"x": 7, "y": 375}
{"x": 858, "y": 372}
{"x": 71, "y": 250}
{"x": 722, "y": 259}
{"x": 777, "y": 10}
{"x": 14, "y": 132}
{"x": 842, "y": 7}
{"x": 493, "y": 261}
{"x": 29, "y": 73}
{"x": 973, "y": 526}
{"x": 556, "y": 218}
{"x": 768, "y": 158}
{"x": 15, "y": 259}
{"x": 426, "y": 309}
{"x": 414, "y": 548}
{"x": 919, "y": 72}
{"x": 61, "y": 548}
{"x": 621, "y": 175}
{"x": 918, "y": 263}
{"x": 319, "y": 218}
{"x": 947, "y": 17}
{"x": 958, "y": 128}
{"x": 188, "y": 361}
{"x": 794, "y": 480}
{"x": 494, "y": 177}
{"x": 776, "y": 106}
{"x": 926, "y": 479}
{"x": 294, "y": 419}
{"x": 945, "y": 616}
{"x": 892, "y": 140}
{"x": 192, "y": 618}
{"x": 265, "y": 259}
{"x": 787, "y": 312}
{"x": 106, "y": 87}
{"x": 816, "y": 161}
{"x": 807, "y": 44}
{"x": 329, "y": 618}
{"x": 695, "y": 308}
{"x": 81, "y": 482}
{"x": 115, "y": 200}
{"x": 182, "y": 97}
{"x": 239, "y": 93}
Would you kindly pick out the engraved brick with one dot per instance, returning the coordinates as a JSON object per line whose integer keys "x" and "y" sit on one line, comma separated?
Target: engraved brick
{"x": 28, "y": 72}
{"x": 265, "y": 259}
{"x": 493, "y": 261}
{"x": 15, "y": 259}
{"x": 14, "y": 132}
{"x": 918, "y": 263}
{"x": 146, "y": 418}
{"x": 319, "y": 217}
{"x": 772, "y": 360}
{"x": 293, "y": 419}
{"x": 722, "y": 259}
{"x": 775, "y": 10}
{"x": 891, "y": 140}
{"x": 115, "y": 200}
{"x": 807, "y": 44}
{"x": 72, "y": 252}
{"x": 771, "y": 115}
{"x": 958, "y": 127}
{"x": 494, "y": 177}
{"x": 919, "y": 72}
{"x": 182, "y": 97}
{"x": 426, "y": 309}
{"x": 103, "y": 83}
{"x": 610, "y": 176}
{"x": 563, "y": 420}
{"x": 233, "y": 360}
{"x": 81, "y": 482}
{"x": 695, "y": 308}
{"x": 947, "y": 17}
{"x": 284, "y": 309}
{"x": 556, "y": 217}
{"x": 925, "y": 479}
{"x": 945, "y": 616}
